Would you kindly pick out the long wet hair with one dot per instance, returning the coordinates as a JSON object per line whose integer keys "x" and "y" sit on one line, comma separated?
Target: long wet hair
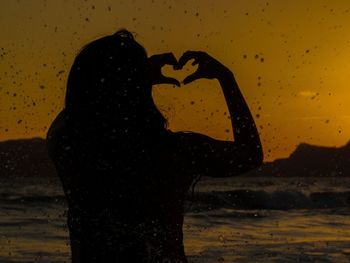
{"x": 110, "y": 87}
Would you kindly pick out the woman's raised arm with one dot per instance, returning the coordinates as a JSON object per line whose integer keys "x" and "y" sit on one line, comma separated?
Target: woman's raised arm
{"x": 218, "y": 158}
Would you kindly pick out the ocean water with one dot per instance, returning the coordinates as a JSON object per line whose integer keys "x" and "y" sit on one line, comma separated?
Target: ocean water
{"x": 227, "y": 220}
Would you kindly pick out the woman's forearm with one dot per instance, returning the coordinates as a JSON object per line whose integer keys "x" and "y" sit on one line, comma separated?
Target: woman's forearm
{"x": 244, "y": 130}
{"x": 243, "y": 125}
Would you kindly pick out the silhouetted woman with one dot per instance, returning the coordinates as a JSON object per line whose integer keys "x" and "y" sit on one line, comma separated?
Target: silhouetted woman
{"x": 124, "y": 174}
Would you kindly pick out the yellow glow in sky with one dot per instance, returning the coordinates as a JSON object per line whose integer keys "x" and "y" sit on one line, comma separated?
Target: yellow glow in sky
{"x": 290, "y": 58}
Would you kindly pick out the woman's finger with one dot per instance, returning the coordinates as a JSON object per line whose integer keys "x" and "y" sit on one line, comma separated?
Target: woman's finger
{"x": 167, "y": 80}
{"x": 196, "y": 75}
{"x": 169, "y": 59}
{"x": 164, "y": 59}
{"x": 188, "y": 55}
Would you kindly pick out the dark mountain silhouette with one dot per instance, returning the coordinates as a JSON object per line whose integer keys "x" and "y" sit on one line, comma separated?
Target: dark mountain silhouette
{"x": 24, "y": 158}
{"x": 310, "y": 160}
{"x": 28, "y": 157}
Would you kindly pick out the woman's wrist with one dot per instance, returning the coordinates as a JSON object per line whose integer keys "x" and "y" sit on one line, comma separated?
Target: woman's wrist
{"x": 225, "y": 76}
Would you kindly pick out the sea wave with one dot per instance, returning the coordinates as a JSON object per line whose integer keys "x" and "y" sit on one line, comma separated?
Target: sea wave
{"x": 278, "y": 200}
{"x": 32, "y": 199}
{"x": 236, "y": 199}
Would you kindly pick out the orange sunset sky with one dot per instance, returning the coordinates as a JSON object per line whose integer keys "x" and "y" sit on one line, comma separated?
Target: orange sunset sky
{"x": 290, "y": 58}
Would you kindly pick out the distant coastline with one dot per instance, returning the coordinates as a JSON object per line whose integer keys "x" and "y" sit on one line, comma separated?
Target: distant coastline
{"x": 25, "y": 158}
{"x": 28, "y": 158}
{"x": 310, "y": 161}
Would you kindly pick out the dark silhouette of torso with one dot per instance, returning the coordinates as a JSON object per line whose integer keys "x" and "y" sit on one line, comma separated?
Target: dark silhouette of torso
{"x": 132, "y": 187}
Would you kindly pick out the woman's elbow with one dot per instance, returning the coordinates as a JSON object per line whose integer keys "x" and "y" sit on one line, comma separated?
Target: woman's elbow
{"x": 250, "y": 162}
{"x": 253, "y": 154}
{"x": 257, "y": 157}
{"x": 254, "y": 159}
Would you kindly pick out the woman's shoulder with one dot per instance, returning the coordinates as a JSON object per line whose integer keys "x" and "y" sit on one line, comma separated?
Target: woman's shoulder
{"x": 58, "y": 123}
{"x": 57, "y": 135}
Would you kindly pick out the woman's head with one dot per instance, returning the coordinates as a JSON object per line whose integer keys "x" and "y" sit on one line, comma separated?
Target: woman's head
{"x": 110, "y": 77}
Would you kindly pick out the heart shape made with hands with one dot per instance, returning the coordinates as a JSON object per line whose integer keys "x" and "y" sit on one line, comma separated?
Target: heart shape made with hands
{"x": 208, "y": 67}
{"x": 179, "y": 72}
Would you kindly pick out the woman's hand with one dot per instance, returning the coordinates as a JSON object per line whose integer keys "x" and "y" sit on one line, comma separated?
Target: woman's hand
{"x": 157, "y": 62}
{"x": 208, "y": 67}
